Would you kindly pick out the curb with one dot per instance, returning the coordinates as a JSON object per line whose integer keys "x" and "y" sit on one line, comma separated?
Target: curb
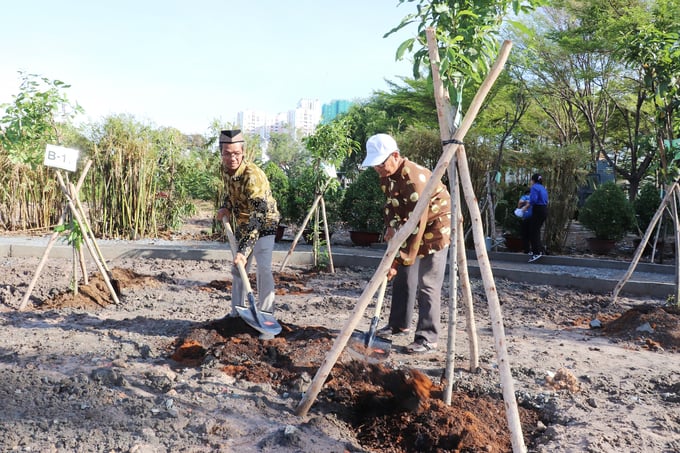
{"x": 588, "y": 274}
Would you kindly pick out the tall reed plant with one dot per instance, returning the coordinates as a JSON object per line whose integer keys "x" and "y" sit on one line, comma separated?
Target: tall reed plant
{"x": 141, "y": 182}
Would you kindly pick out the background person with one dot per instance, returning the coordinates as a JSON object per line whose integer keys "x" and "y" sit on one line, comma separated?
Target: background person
{"x": 524, "y": 212}
{"x": 538, "y": 197}
{"x": 251, "y": 209}
{"x": 418, "y": 269}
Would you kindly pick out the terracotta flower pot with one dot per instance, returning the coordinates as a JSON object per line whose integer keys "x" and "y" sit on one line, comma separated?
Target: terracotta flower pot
{"x": 513, "y": 243}
{"x": 279, "y": 233}
{"x": 600, "y": 246}
{"x": 364, "y": 238}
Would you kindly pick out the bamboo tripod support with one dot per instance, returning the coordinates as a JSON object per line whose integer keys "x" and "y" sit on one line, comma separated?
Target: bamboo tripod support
{"x": 672, "y": 193}
{"x": 507, "y": 384}
{"x": 88, "y": 239}
{"x": 317, "y": 200}
{"x": 52, "y": 241}
{"x": 73, "y": 203}
{"x": 399, "y": 237}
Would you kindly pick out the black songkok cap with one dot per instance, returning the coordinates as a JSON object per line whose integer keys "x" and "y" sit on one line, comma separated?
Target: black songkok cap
{"x": 233, "y": 136}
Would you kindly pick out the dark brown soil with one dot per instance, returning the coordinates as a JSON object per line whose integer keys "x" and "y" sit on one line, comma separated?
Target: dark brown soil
{"x": 391, "y": 410}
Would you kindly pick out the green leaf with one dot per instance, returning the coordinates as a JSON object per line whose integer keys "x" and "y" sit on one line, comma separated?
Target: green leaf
{"x": 406, "y": 45}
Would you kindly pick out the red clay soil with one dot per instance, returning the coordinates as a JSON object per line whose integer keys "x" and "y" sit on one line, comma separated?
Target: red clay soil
{"x": 391, "y": 410}
{"x": 654, "y": 327}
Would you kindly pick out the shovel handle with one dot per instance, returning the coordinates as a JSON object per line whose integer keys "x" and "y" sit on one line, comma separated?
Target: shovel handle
{"x": 232, "y": 243}
{"x": 381, "y": 297}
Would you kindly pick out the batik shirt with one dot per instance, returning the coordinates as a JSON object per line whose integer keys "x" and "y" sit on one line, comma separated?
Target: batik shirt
{"x": 433, "y": 232}
{"x": 253, "y": 208}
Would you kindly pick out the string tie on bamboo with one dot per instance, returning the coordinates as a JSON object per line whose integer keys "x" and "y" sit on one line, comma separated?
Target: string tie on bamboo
{"x": 454, "y": 141}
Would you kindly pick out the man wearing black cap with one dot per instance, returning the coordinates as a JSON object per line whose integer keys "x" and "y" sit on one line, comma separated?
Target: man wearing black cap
{"x": 251, "y": 209}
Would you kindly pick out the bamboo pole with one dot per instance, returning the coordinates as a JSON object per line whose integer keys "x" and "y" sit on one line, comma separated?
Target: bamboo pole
{"x": 299, "y": 233}
{"x": 453, "y": 284}
{"x": 80, "y": 252}
{"x": 52, "y": 241}
{"x": 395, "y": 243}
{"x": 643, "y": 242}
{"x": 466, "y": 291}
{"x": 328, "y": 235}
{"x": 511, "y": 409}
{"x": 677, "y": 245}
{"x": 507, "y": 385}
{"x": 83, "y": 267}
{"x": 446, "y": 124}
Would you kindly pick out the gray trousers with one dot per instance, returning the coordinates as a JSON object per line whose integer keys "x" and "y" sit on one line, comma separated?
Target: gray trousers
{"x": 262, "y": 253}
{"x": 421, "y": 282}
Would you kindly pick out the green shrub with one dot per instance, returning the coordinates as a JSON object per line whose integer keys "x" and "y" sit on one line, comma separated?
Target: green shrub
{"x": 363, "y": 202}
{"x": 608, "y": 213}
{"x": 304, "y": 183}
{"x": 278, "y": 181}
{"x": 505, "y": 209}
{"x": 646, "y": 205}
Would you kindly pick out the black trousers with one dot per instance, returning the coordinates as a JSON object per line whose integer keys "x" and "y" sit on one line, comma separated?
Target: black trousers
{"x": 538, "y": 215}
{"x": 525, "y": 233}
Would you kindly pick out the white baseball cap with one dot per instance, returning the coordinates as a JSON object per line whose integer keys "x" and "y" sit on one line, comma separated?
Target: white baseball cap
{"x": 378, "y": 149}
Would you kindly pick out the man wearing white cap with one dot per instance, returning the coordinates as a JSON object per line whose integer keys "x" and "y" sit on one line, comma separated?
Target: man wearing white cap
{"x": 419, "y": 267}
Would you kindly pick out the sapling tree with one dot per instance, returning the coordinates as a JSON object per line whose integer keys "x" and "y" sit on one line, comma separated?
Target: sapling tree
{"x": 30, "y": 197}
{"x": 328, "y": 146}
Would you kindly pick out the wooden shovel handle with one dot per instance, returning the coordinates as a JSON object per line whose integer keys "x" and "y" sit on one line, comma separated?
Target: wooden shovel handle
{"x": 381, "y": 297}
{"x": 234, "y": 250}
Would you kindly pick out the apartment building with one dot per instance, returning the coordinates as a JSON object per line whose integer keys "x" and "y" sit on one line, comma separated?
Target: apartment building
{"x": 299, "y": 122}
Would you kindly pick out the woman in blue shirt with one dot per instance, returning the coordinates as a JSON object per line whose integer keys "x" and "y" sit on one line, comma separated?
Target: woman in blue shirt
{"x": 538, "y": 198}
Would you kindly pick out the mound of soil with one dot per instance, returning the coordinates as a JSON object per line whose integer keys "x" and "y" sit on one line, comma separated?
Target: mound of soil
{"x": 652, "y": 326}
{"x": 391, "y": 410}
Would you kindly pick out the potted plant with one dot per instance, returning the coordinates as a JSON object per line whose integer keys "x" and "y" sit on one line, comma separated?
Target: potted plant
{"x": 506, "y": 218}
{"x": 609, "y": 215}
{"x": 362, "y": 208}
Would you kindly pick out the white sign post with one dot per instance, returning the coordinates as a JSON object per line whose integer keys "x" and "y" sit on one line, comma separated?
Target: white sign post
{"x": 60, "y": 157}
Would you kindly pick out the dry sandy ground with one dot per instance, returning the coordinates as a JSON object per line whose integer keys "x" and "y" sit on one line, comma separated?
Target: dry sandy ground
{"x": 101, "y": 380}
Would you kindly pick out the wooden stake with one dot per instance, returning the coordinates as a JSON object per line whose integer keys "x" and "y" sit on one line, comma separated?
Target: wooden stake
{"x": 395, "y": 243}
{"x": 453, "y": 285}
{"x": 643, "y": 243}
{"x": 328, "y": 235}
{"x": 512, "y": 411}
{"x": 466, "y": 291}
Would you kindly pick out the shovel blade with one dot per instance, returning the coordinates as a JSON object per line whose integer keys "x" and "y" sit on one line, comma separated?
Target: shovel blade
{"x": 259, "y": 320}
{"x": 374, "y": 350}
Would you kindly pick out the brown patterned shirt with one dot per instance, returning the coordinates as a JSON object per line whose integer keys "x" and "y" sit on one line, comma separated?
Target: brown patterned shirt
{"x": 253, "y": 208}
{"x": 403, "y": 189}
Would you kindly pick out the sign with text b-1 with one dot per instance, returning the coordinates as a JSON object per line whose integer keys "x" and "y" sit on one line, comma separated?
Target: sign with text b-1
{"x": 60, "y": 157}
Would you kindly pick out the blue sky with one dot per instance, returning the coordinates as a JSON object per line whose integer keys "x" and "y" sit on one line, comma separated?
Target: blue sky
{"x": 184, "y": 63}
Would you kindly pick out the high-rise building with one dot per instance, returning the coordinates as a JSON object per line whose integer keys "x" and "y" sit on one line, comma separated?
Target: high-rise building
{"x": 252, "y": 122}
{"x": 333, "y": 109}
{"x": 304, "y": 119}
{"x": 300, "y": 122}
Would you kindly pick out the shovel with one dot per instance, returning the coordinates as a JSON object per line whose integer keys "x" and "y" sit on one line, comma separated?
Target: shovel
{"x": 261, "y": 321}
{"x": 367, "y": 346}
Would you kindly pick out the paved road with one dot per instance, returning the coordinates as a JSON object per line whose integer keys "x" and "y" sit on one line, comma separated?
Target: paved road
{"x": 596, "y": 275}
